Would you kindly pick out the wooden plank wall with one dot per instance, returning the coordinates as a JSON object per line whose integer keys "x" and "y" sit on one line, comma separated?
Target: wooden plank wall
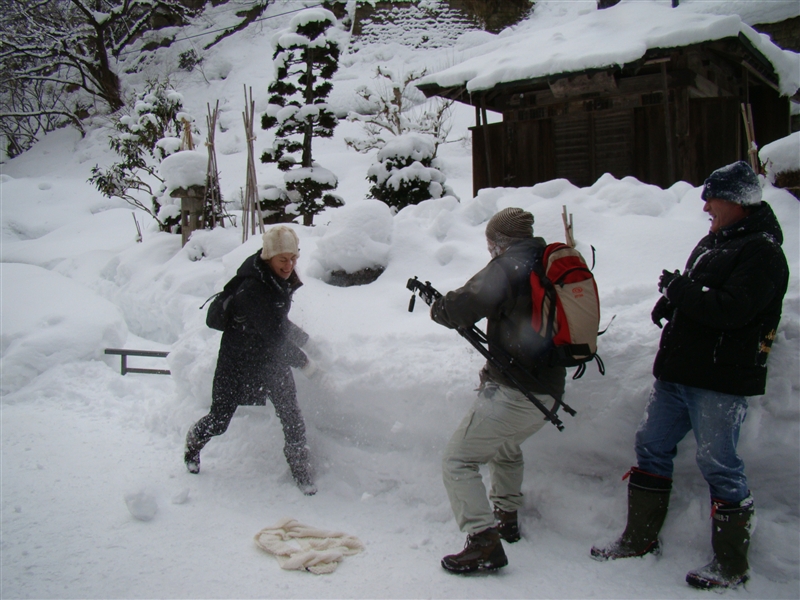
{"x": 707, "y": 133}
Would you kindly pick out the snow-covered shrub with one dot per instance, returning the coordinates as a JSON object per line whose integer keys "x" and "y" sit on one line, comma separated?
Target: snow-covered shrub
{"x": 274, "y": 203}
{"x": 406, "y": 172}
{"x": 148, "y": 133}
{"x": 305, "y": 58}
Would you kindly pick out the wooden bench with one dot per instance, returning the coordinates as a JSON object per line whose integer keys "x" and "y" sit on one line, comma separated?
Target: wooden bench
{"x": 124, "y": 353}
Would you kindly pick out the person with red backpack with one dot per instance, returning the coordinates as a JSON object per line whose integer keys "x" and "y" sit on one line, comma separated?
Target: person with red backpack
{"x": 722, "y": 313}
{"x": 502, "y": 417}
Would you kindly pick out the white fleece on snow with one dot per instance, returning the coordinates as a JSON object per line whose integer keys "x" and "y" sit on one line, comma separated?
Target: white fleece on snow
{"x": 301, "y": 547}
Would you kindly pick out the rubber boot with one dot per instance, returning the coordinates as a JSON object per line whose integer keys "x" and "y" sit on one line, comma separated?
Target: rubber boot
{"x": 507, "y": 525}
{"x": 191, "y": 455}
{"x": 732, "y": 525}
{"x": 648, "y": 501}
{"x": 482, "y": 552}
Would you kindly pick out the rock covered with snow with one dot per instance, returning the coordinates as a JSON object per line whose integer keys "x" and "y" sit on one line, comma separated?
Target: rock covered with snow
{"x": 358, "y": 237}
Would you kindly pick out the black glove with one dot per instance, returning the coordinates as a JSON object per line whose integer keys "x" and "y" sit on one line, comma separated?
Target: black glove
{"x": 666, "y": 279}
{"x": 662, "y": 310}
{"x": 438, "y": 313}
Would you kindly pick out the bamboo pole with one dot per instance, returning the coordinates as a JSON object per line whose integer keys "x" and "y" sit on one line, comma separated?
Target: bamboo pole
{"x": 251, "y": 210}
{"x": 213, "y": 199}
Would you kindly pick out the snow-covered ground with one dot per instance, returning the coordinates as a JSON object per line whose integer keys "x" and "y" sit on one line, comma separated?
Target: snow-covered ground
{"x": 84, "y": 448}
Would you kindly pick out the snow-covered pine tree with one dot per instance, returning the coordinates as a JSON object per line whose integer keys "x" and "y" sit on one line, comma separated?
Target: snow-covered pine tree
{"x": 306, "y": 57}
{"x": 406, "y": 172}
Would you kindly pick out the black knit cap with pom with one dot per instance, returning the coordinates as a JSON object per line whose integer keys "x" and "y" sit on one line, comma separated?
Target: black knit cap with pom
{"x": 509, "y": 224}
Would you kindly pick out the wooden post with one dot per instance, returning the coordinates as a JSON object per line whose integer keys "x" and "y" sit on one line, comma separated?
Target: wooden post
{"x": 192, "y": 201}
{"x": 486, "y": 149}
{"x": 752, "y": 147}
{"x": 668, "y": 125}
{"x": 568, "y": 231}
{"x": 187, "y": 143}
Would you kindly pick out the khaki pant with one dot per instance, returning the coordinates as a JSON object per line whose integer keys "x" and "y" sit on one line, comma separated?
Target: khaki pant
{"x": 491, "y": 433}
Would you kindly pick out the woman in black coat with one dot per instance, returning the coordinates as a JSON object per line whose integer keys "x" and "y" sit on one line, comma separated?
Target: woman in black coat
{"x": 256, "y": 353}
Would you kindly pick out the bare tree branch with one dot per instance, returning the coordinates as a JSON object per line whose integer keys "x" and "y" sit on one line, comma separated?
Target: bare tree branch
{"x": 51, "y": 46}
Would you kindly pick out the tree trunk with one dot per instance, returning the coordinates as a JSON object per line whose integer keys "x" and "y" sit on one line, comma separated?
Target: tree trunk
{"x": 107, "y": 80}
{"x": 308, "y": 95}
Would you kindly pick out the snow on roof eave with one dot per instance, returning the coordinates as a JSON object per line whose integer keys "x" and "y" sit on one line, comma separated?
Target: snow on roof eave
{"x": 460, "y": 93}
{"x": 761, "y": 67}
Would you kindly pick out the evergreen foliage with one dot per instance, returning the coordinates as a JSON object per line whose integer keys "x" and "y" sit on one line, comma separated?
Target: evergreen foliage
{"x": 406, "y": 172}
{"x": 144, "y": 138}
{"x": 305, "y": 58}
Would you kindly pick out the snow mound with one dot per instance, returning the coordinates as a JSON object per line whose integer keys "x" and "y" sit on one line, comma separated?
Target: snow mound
{"x": 781, "y": 156}
{"x": 39, "y": 334}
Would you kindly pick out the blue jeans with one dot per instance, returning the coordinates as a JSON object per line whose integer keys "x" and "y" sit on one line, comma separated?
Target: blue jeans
{"x": 715, "y": 418}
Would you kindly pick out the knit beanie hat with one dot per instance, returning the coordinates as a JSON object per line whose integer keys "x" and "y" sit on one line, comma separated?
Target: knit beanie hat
{"x": 508, "y": 225}
{"x": 735, "y": 183}
{"x": 279, "y": 240}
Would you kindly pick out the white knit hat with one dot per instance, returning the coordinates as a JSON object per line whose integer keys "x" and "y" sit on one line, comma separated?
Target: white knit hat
{"x": 279, "y": 240}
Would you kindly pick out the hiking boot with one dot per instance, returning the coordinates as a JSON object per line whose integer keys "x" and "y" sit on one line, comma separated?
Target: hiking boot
{"x": 191, "y": 455}
{"x": 507, "y": 525}
{"x": 648, "y": 501}
{"x": 730, "y": 538}
{"x": 482, "y": 552}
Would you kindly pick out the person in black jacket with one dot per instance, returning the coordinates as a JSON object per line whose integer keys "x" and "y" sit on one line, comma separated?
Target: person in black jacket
{"x": 256, "y": 353}
{"x": 722, "y": 313}
{"x": 502, "y": 417}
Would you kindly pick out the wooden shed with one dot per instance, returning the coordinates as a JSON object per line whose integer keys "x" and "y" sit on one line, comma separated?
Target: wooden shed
{"x": 672, "y": 114}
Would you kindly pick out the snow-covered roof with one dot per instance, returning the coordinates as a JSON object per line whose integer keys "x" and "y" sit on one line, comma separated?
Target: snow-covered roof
{"x": 752, "y": 12}
{"x": 597, "y": 39}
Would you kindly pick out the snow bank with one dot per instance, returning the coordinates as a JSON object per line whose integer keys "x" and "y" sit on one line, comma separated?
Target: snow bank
{"x": 49, "y": 320}
{"x": 781, "y": 156}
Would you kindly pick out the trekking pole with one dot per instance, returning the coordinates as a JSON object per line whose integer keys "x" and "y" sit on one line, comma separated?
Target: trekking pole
{"x": 477, "y": 338}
